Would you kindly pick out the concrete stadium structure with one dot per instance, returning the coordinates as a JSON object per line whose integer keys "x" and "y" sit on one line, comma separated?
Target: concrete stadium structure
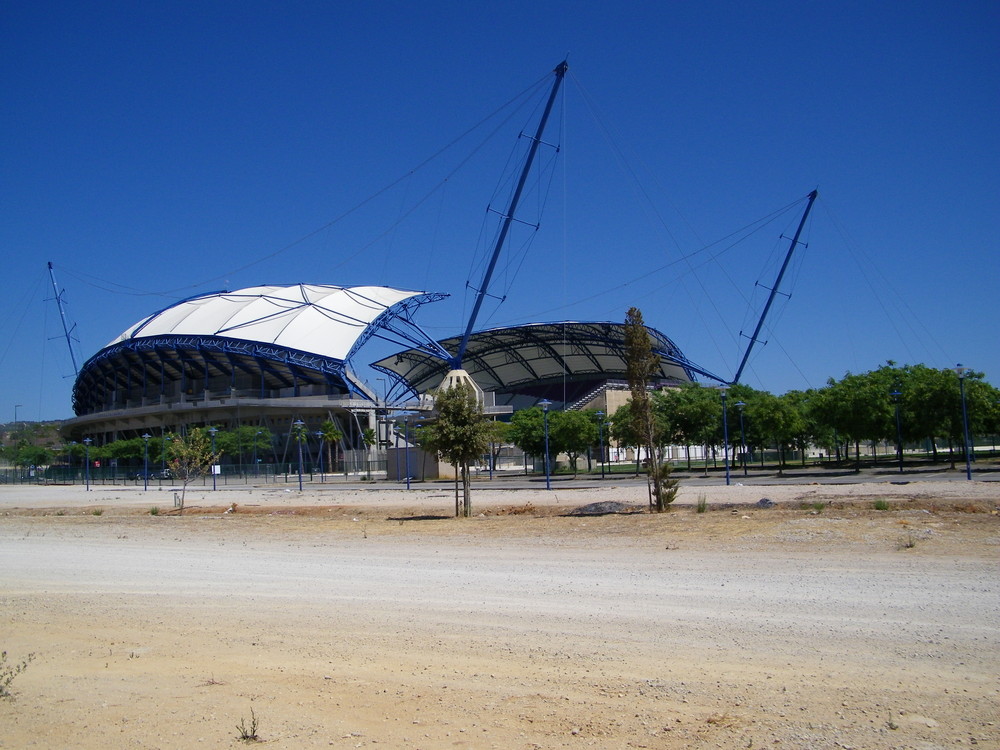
{"x": 271, "y": 355}
{"x": 266, "y": 356}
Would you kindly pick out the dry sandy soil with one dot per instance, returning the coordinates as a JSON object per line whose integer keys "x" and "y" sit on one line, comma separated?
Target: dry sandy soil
{"x": 365, "y": 619}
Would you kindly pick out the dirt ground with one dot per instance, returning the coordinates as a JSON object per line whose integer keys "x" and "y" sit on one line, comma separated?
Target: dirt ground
{"x": 371, "y": 619}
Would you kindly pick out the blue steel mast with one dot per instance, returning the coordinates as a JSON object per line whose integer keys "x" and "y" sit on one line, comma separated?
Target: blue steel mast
{"x": 560, "y": 72}
{"x": 777, "y": 283}
{"x": 62, "y": 315}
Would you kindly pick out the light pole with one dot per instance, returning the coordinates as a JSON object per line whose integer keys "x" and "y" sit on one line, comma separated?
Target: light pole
{"x": 319, "y": 439}
{"x": 723, "y": 389}
{"x": 743, "y": 441}
{"x": 545, "y": 404}
{"x": 962, "y": 372}
{"x": 395, "y": 435}
{"x": 256, "y": 466}
{"x": 163, "y": 449}
{"x": 16, "y": 407}
{"x": 600, "y": 438}
{"x": 417, "y": 434}
{"x": 145, "y": 461}
{"x": 406, "y": 439}
{"x": 87, "y": 441}
{"x": 211, "y": 431}
{"x": 297, "y": 426}
{"x": 899, "y": 430}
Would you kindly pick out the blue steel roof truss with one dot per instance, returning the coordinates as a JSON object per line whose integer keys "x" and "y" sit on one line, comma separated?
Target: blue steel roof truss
{"x": 398, "y": 320}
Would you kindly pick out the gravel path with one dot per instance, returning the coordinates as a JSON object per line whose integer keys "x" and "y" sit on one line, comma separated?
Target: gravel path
{"x": 785, "y": 628}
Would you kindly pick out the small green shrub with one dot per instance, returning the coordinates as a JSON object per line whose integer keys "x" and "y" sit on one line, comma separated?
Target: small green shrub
{"x": 97, "y": 512}
{"x": 818, "y": 507}
{"x": 702, "y": 504}
{"x": 9, "y": 671}
{"x": 881, "y": 504}
{"x": 909, "y": 541}
{"x": 154, "y": 511}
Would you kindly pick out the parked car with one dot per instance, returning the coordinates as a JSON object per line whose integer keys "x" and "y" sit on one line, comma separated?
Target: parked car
{"x": 155, "y": 474}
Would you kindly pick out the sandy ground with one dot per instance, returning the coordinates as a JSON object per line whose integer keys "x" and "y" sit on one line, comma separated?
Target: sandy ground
{"x": 361, "y": 619}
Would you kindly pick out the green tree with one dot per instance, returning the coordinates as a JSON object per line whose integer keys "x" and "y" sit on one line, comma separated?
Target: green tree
{"x": 694, "y": 413}
{"x": 32, "y": 455}
{"x": 499, "y": 436}
{"x": 331, "y": 435}
{"x": 368, "y": 438}
{"x": 527, "y": 431}
{"x": 241, "y": 441}
{"x": 572, "y": 433}
{"x": 191, "y": 457}
{"x": 641, "y": 363}
{"x": 623, "y": 431}
{"x": 460, "y": 435}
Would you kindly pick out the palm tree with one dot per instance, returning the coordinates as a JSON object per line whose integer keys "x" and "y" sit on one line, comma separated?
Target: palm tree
{"x": 330, "y": 435}
{"x": 369, "y": 438}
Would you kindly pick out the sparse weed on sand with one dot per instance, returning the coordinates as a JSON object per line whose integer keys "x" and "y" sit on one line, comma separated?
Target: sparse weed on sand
{"x": 9, "y": 671}
{"x": 248, "y": 732}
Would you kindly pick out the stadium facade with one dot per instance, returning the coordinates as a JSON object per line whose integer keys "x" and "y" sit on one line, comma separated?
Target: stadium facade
{"x": 271, "y": 355}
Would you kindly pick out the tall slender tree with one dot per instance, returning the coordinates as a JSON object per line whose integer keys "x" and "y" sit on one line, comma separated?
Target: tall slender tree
{"x": 641, "y": 363}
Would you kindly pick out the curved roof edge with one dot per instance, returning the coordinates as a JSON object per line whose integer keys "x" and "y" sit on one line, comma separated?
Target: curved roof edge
{"x": 324, "y": 320}
{"x": 508, "y": 357}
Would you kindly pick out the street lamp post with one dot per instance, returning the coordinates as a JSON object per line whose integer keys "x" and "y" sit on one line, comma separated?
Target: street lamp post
{"x": 406, "y": 439}
{"x": 600, "y": 438}
{"x": 545, "y": 404}
{"x": 899, "y": 430}
{"x": 319, "y": 437}
{"x": 962, "y": 372}
{"x": 395, "y": 435}
{"x": 212, "y": 431}
{"x": 417, "y": 434}
{"x": 256, "y": 466}
{"x": 743, "y": 440}
{"x": 163, "y": 449}
{"x": 145, "y": 461}
{"x": 16, "y": 407}
{"x": 87, "y": 441}
{"x": 723, "y": 389}
{"x": 297, "y": 426}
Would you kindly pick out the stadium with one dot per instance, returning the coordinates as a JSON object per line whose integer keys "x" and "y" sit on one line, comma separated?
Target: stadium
{"x": 268, "y": 356}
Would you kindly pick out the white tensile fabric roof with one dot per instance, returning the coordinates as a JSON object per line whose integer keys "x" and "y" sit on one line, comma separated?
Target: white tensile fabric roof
{"x": 320, "y": 319}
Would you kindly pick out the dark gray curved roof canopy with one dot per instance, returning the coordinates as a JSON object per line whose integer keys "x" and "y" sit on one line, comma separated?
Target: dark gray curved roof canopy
{"x": 558, "y": 361}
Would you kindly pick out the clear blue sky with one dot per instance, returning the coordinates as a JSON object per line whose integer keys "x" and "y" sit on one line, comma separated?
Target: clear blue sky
{"x": 153, "y": 151}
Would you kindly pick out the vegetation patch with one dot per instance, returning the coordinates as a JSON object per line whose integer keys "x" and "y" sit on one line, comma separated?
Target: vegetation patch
{"x": 10, "y": 670}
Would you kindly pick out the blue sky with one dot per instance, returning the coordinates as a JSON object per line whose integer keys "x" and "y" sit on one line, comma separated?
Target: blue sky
{"x": 156, "y": 151}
